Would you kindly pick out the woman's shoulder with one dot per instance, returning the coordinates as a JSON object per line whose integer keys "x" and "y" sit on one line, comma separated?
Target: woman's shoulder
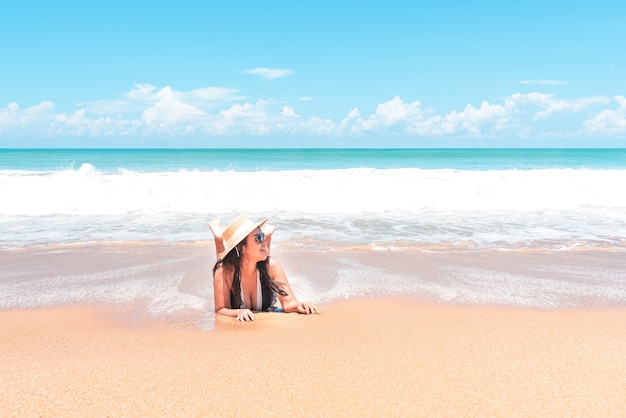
{"x": 272, "y": 262}
{"x": 222, "y": 271}
{"x": 273, "y": 265}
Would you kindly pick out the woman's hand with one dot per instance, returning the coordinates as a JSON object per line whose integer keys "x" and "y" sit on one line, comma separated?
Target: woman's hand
{"x": 307, "y": 308}
{"x": 245, "y": 315}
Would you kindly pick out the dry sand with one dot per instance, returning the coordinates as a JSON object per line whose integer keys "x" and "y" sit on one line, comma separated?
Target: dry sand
{"x": 358, "y": 358}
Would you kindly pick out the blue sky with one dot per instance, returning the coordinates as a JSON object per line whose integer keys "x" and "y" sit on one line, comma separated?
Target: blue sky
{"x": 319, "y": 74}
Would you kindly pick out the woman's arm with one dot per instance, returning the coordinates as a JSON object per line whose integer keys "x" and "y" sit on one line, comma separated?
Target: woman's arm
{"x": 216, "y": 229}
{"x": 290, "y": 303}
{"x": 221, "y": 294}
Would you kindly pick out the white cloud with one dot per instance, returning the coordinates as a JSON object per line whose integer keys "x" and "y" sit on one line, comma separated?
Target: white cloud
{"x": 15, "y": 117}
{"x": 142, "y": 95}
{"x": 551, "y": 105}
{"x": 246, "y": 118}
{"x": 148, "y": 111}
{"x": 540, "y": 99}
{"x": 392, "y": 115}
{"x": 609, "y": 120}
{"x": 319, "y": 126}
{"x": 352, "y": 123}
{"x": 244, "y": 111}
{"x": 133, "y": 101}
{"x": 398, "y": 117}
{"x": 269, "y": 73}
{"x": 170, "y": 111}
{"x": 473, "y": 120}
{"x": 288, "y": 111}
{"x": 393, "y": 112}
{"x": 575, "y": 105}
{"x": 147, "y": 93}
{"x": 78, "y": 124}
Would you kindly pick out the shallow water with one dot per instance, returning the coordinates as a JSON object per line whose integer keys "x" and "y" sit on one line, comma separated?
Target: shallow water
{"x": 173, "y": 281}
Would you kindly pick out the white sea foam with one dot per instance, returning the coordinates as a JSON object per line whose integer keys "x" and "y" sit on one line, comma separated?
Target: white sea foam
{"x": 349, "y": 191}
{"x": 358, "y": 206}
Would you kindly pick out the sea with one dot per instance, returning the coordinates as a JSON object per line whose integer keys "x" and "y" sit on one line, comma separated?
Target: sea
{"x": 537, "y": 198}
{"x": 378, "y": 200}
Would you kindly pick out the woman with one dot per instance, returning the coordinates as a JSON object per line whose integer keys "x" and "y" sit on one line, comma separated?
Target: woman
{"x": 245, "y": 277}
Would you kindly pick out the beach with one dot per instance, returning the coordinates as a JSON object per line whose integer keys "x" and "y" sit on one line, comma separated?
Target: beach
{"x": 367, "y": 355}
{"x": 462, "y": 282}
{"x": 359, "y": 357}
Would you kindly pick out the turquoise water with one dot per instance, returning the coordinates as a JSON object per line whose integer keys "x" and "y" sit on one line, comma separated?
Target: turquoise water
{"x": 159, "y": 160}
{"x": 496, "y": 198}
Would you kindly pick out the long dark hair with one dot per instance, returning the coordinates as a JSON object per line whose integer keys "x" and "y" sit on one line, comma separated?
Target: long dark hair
{"x": 232, "y": 263}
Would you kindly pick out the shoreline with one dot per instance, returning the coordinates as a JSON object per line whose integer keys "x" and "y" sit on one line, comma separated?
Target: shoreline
{"x": 360, "y": 356}
{"x": 172, "y": 278}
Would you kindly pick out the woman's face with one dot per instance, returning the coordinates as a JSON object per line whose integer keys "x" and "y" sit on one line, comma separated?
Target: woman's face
{"x": 256, "y": 246}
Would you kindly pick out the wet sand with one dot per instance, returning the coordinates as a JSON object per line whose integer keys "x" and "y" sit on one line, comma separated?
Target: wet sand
{"x": 176, "y": 278}
{"x": 367, "y": 357}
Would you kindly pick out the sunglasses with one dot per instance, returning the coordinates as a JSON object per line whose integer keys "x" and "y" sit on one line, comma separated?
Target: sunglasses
{"x": 259, "y": 238}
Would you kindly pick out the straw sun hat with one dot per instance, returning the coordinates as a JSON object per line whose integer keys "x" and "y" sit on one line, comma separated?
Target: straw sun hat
{"x": 237, "y": 231}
